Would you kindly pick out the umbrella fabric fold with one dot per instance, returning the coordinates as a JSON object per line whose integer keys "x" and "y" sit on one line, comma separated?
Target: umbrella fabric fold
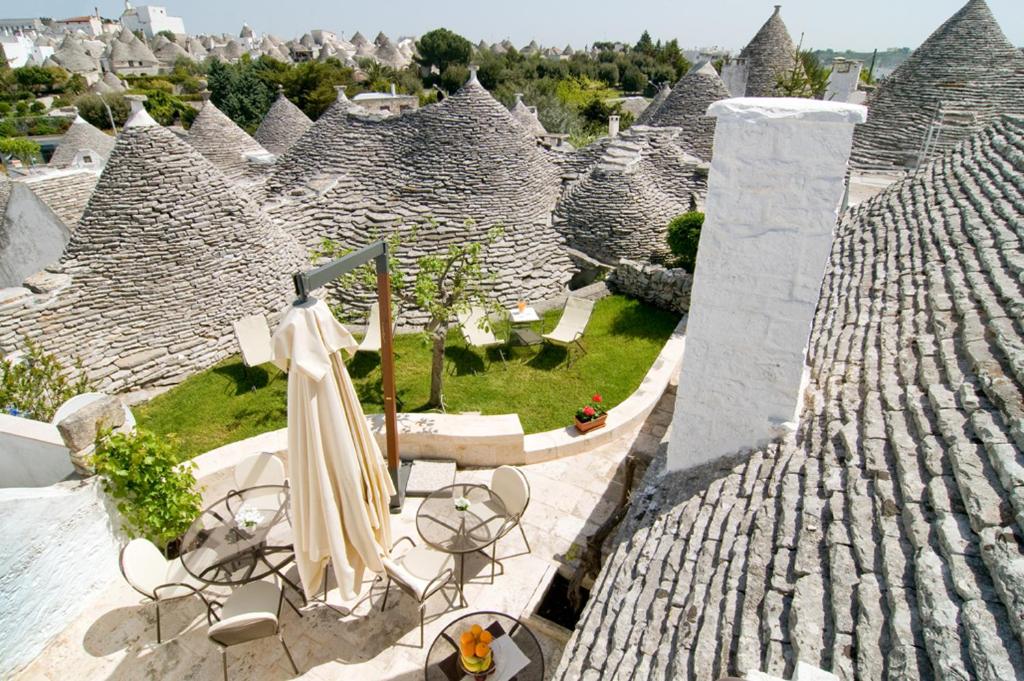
{"x": 340, "y": 486}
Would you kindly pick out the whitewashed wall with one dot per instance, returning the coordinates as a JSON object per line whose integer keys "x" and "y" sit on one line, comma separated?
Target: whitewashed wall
{"x": 774, "y": 190}
{"x": 32, "y": 453}
{"x": 843, "y": 81}
{"x": 58, "y": 550}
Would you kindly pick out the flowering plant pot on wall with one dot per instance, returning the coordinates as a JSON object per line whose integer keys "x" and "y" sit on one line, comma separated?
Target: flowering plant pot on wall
{"x": 592, "y": 415}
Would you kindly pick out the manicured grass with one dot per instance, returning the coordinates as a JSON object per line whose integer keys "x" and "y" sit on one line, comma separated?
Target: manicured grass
{"x": 226, "y": 403}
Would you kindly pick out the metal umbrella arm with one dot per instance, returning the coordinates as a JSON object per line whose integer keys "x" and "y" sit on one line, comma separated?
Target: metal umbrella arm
{"x": 325, "y": 274}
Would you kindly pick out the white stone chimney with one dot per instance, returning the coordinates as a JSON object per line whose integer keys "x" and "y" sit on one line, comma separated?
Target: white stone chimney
{"x": 613, "y": 126}
{"x": 774, "y": 191}
{"x": 734, "y": 76}
{"x": 843, "y": 80}
{"x": 473, "y": 68}
{"x": 138, "y": 117}
{"x": 394, "y": 91}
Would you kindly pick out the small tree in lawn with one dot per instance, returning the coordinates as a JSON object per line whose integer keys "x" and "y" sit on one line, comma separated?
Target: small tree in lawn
{"x": 444, "y": 284}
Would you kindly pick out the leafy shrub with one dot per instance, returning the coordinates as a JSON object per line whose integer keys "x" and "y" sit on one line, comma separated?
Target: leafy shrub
{"x": 683, "y": 238}
{"x": 93, "y": 108}
{"x": 155, "y": 495}
{"x": 37, "y": 385}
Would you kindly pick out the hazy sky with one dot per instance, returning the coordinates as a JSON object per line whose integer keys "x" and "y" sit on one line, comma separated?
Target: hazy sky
{"x": 861, "y": 25}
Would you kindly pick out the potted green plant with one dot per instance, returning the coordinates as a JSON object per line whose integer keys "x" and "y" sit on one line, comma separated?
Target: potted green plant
{"x": 591, "y": 415}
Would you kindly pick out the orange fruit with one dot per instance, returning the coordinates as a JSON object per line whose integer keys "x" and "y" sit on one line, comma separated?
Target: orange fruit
{"x": 468, "y": 649}
{"x": 476, "y": 629}
{"x": 467, "y": 637}
{"x": 486, "y": 636}
{"x": 482, "y": 649}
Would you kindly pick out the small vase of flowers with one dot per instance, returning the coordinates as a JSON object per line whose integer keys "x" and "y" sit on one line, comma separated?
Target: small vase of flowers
{"x": 591, "y": 415}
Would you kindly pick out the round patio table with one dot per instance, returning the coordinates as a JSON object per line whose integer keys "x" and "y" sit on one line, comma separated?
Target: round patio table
{"x": 241, "y": 538}
{"x": 447, "y": 528}
{"x": 517, "y": 652}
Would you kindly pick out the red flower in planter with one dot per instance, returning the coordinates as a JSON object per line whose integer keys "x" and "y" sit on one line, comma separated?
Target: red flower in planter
{"x": 589, "y": 411}
{"x": 597, "y": 398}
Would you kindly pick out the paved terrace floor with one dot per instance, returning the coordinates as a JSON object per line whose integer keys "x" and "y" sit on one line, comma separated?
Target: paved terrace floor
{"x": 115, "y": 638}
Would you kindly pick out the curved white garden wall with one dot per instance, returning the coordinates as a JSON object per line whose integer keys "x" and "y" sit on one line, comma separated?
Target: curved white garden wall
{"x": 59, "y": 547}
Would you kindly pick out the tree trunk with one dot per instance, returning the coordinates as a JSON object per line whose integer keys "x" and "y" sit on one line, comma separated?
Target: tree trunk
{"x": 437, "y": 365}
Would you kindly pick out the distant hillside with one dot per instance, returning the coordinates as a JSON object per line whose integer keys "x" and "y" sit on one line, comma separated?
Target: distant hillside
{"x": 885, "y": 63}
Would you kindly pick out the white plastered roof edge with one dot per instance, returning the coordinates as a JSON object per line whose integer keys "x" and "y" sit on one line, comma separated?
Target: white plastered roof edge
{"x": 754, "y": 109}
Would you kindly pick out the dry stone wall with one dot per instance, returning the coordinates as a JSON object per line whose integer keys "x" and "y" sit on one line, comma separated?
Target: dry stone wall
{"x": 668, "y": 289}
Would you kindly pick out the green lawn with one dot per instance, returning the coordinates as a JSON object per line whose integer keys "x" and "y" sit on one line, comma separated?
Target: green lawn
{"x": 624, "y": 337}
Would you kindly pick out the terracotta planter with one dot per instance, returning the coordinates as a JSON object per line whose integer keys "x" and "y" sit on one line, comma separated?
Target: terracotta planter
{"x": 587, "y": 426}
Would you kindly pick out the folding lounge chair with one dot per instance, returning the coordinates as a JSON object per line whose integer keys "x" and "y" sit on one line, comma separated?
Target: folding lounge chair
{"x": 372, "y": 341}
{"x": 571, "y": 326}
{"x": 477, "y": 331}
{"x": 253, "y": 336}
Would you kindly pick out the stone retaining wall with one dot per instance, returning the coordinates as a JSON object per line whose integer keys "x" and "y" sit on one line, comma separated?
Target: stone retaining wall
{"x": 666, "y": 288}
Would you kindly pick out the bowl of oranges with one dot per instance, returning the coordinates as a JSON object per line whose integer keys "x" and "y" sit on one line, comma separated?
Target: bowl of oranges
{"x": 475, "y": 657}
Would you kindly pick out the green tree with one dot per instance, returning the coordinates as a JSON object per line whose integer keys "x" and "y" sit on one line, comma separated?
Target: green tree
{"x": 35, "y": 385}
{"x": 442, "y": 48}
{"x": 683, "y": 238}
{"x": 21, "y": 148}
{"x": 94, "y": 109}
{"x": 634, "y": 80}
{"x": 645, "y": 45}
{"x": 808, "y": 78}
{"x": 240, "y": 92}
{"x": 165, "y": 108}
{"x": 311, "y": 85}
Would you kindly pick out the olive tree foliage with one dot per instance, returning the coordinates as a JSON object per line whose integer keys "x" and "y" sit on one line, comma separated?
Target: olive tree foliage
{"x": 440, "y": 49}
{"x": 444, "y": 284}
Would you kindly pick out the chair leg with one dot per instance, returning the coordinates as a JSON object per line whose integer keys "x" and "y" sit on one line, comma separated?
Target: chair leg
{"x": 158, "y": 638}
{"x": 387, "y": 588}
{"x": 422, "y": 615}
{"x": 494, "y": 559}
{"x": 288, "y": 653}
{"x": 224, "y": 662}
{"x": 525, "y": 540}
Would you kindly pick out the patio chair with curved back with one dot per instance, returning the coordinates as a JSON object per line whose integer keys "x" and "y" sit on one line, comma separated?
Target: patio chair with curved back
{"x": 250, "y": 613}
{"x": 510, "y": 483}
{"x": 420, "y": 572}
{"x": 259, "y": 469}
{"x": 574, "y": 320}
{"x": 146, "y": 569}
{"x": 253, "y": 336}
{"x": 477, "y": 331}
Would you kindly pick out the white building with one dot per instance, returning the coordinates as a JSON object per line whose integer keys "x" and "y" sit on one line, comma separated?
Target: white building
{"x": 22, "y": 51}
{"x": 30, "y": 27}
{"x": 91, "y": 25}
{"x": 150, "y": 19}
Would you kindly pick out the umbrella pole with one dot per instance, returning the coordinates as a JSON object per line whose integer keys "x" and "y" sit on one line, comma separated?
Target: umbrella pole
{"x": 387, "y": 368}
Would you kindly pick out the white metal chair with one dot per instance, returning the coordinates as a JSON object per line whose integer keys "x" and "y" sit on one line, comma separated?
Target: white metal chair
{"x": 574, "y": 320}
{"x": 477, "y": 331}
{"x": 420, "y": 572}
{"x": 253, "y": 336}
{"x": 250, "y": 613}
{"x": 510, "y": 483}
{"x": 146, "y": 569}
{"x": 259, "y": 469}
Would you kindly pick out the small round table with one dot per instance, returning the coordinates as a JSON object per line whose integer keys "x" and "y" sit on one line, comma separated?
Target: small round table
{"x": 446, "y": 528}
{"x": 241, "y": 538}
{"x": 442, "y": 658}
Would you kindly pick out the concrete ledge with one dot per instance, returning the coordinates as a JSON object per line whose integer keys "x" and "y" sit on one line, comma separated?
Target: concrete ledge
{"x": 473, "y": 439}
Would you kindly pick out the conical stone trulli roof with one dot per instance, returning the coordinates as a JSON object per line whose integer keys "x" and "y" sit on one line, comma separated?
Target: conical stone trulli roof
{"x": 282, "y": 127}
{"x": 73, "y": 57}
{"x": 465, "y": 158}
{"x": 80, "y": 136}
{"x": 967, "y": 64}
{"x": 686, "y": 108}
{"x": 770, "y": 55}
{"x": 219, "y": 139}
{"x": 128, "y": 52}
{"x": 647, "y": 114}
{"x": 167, "y": 255}
{"x": 527, "y": 118}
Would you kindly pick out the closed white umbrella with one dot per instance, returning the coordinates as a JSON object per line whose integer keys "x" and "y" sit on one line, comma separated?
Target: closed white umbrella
{"x": 340, "y": 487}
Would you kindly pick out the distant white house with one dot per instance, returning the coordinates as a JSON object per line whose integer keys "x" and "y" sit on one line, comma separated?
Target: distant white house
{"x": 91, "y": 25}
{"x": 29, "y": 27}
{"x": 22, "y": 51}
{"x": 150, "y": 19}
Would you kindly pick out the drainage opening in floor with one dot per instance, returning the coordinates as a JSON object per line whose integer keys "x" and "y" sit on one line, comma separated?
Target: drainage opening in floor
{"x": 555, "y": 606}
